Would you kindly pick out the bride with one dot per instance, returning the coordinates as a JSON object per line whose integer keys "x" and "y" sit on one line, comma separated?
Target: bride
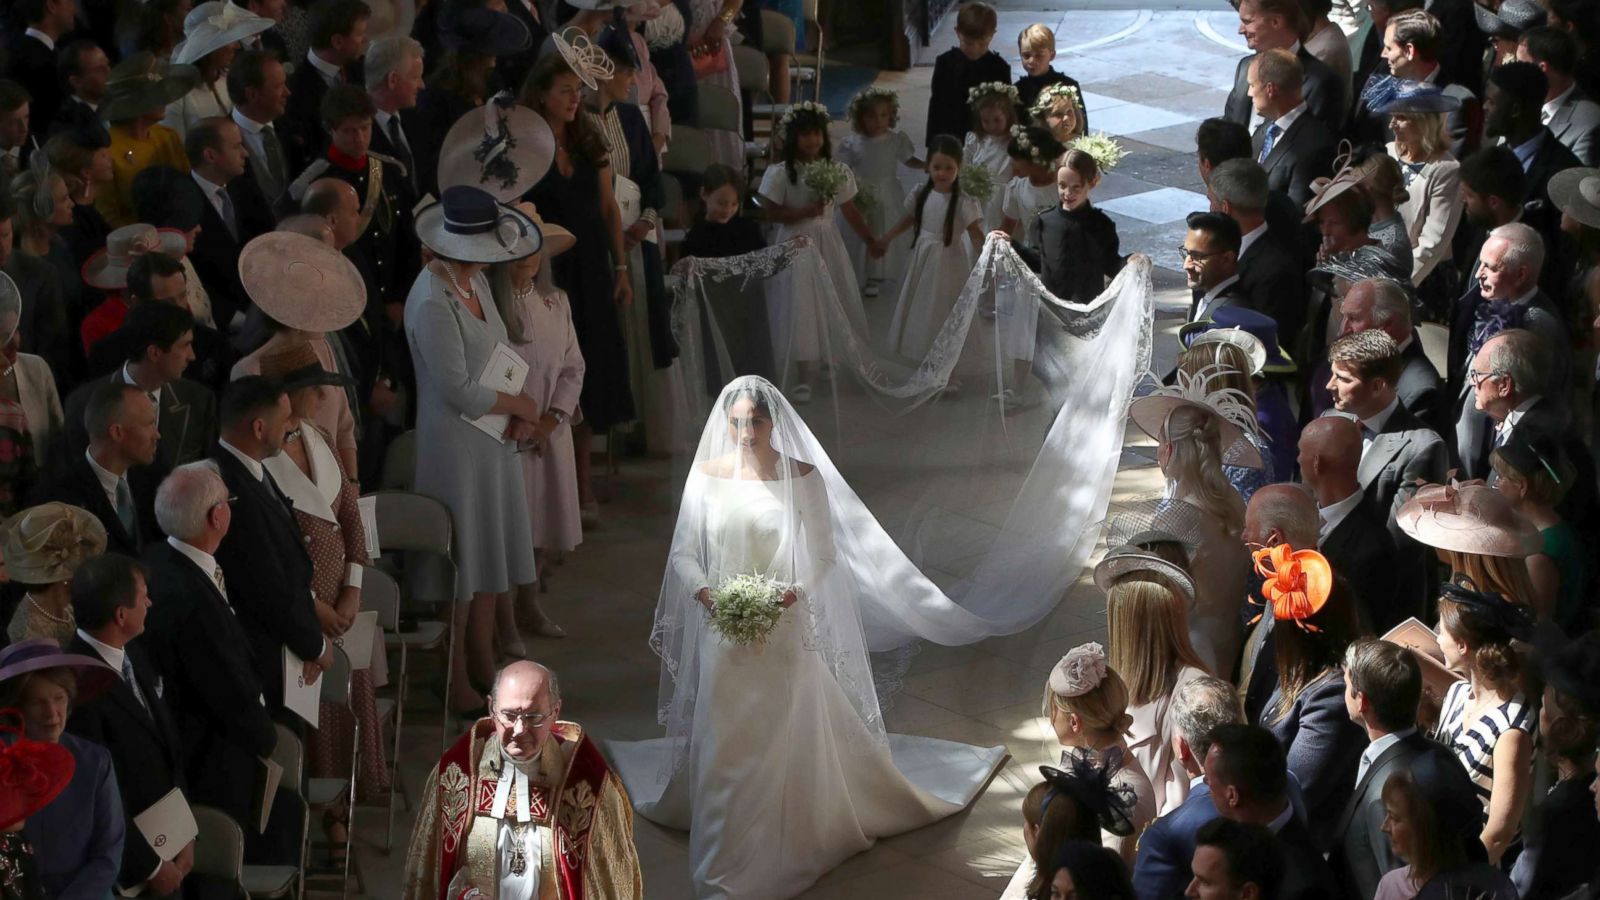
{"x": 776, "y": 759}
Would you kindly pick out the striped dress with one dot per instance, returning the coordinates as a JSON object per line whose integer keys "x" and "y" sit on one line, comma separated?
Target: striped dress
{"x": 1473, "y": 741}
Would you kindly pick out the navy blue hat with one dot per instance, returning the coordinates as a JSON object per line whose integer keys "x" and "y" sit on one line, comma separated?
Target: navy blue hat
{"x": 1572, "y": 667}
{"x": 1416, "y": 97}
{"x": 1260, "y": 326}
{"x": 482, "y": 31}
{"x": 615, "y": 41}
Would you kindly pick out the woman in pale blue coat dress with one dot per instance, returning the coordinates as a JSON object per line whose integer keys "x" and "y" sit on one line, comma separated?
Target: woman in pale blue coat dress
{"x": 454, "y": 329}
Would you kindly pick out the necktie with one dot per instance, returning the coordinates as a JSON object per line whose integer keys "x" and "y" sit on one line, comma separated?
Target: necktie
{"x": 1266, "y": 145}
{"x": 125, "y": 505}
{"x": 133, "y": 683}
{"x": 225, "y": 204}
{"x": 1367, "y": 431}
{"x": 216, "y": 578}
{"x": 276, "y": 167}
{"x": 402, "y": 150}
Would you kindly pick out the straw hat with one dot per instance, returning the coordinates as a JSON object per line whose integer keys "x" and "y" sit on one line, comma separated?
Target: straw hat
{"x": 501, "y": 147}
{"x": 469, "y": 225}
{"x": 33, "y": 772}
{"x": 1234, "y": 417}
{"x": 1127, "y": 559}
{"x": 44, "y": 544}
{"x": 42, "y": 654}
{"x": 1510, "y": 20}
{"x": 107, "y": 269}
{"x": 1577, "y": 193}
{"x": 1467, "y": 517}
{"x": 557, "y": 240}
{"x": 142, "y": 84}
{"x": 302, "y": 282}
{"x": 297, "y": 366}
{"x": 212, "y": 25}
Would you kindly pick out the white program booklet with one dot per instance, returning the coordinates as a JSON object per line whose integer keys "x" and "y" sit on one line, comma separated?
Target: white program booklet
{"x": 168, "y": 825}
{"x": 369, "y": 523}
{"x": 304, "y": 700}
{"x": 504, "y": 372}
{"x": 357, "y": 641}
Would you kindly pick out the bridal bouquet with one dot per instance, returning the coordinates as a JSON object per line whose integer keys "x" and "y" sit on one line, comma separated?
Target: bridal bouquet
{"x": 826, "y": 177}
{"x": 977, "y": 182}
{"x": 745, "y": 608}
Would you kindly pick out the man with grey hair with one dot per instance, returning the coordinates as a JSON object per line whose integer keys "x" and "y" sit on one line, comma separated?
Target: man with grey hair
{"x": 1507, "y": 295}
{"x": 545, "y": 785}
{"x": 394, "y": 78}
{"x": 1383, "y": 304}
{"x": 201, "y": 649}
{"x": 1268, "y": 275}
{"x": 1510, "y": 378}
{"x": 1197, "y": 709}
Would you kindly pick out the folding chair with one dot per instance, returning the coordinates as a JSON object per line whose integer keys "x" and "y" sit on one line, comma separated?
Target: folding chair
{"x": 688, "y": 153}
{"x": 381, "y": 594}
{"x": 262, "y": 881}
{"x": 419, "y": 527}
{"x": 400, "y": 463}
{"x": 755, "y": 82}
{"x": 807, "y": 66}
{"x": 719, "y": 109}
{"x": 219, "y": 854}
{"x": 326, "y": 795}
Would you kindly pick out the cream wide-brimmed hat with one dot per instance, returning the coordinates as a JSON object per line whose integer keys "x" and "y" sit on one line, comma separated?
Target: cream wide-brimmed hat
{"x": 215, "y": 24}
{"x": 302, "y": 282}
{"x": 1235, "y": 418}
{"x": 45, "y": 544}
{"x": 1467, "y": 517}
{"x": 107, "y": 268}
{"x": 557, "y": 240}
{"x": 502, "y": 147}
{"x": 1576, "y": 192}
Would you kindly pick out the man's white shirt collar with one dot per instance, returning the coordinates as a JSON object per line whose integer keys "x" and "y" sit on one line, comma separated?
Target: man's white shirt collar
{"x": 1287, "y": 119}
{"x": 42, "y": 38}
{"x": 1376, "y": 748}
{"x": 108, "y": 480}
{"x": 1548, "y": 111}
{"x": 1410, "y": 339}
{"x": 1210, "y": 296}
{"x": 112, "y": 655}
{"x": 1515, "y": 416}
{"x": 250, "y": 126}
{"x": 1282, "y": 819}
{"x": 1377, "y": 422}
{"x": 155, "y": 395}
{"x": 1335, "y": 514}
{"x": 256, "y": 469}
{"x": 330, "y": 73}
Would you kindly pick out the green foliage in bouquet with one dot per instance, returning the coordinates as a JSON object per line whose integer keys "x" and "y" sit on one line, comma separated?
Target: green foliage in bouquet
{"x": 826, "y": 177}
{"x": 977, "y": 182}
{"x": 745, "y": 608}
{"x": 866, "y": 199}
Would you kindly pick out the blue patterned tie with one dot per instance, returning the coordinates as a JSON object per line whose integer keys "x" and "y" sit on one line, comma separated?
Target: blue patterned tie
{"x": 1272, "y": 138}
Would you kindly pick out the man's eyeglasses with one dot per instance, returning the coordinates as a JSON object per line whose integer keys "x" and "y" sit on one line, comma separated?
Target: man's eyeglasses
{"x": 1198, "y": 256}
{"x": 510, "y": 719}
{"x": 1475, "y": 378}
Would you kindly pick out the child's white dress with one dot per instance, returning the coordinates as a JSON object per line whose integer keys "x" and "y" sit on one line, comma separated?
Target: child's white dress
{"x": 797, "y": 328}
{"x": 990, "y": 152}
{"x": 936, "y": 275}
{"x": 1024, "y": 200}
{"x": 877, "y": 161}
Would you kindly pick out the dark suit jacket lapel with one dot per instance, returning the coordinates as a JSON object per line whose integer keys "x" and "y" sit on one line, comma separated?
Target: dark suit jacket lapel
{"x": 1385, "y": 448}
{"x": 1280, "y": 147}
{"x": 1383, "y": 760}
{"x": 121, "y": 694}
{"x": 101, "y": 506}
{"x": 174, "y": 422}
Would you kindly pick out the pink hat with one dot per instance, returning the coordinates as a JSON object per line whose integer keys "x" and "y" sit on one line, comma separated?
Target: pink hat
{"x": 1467, "y": 517}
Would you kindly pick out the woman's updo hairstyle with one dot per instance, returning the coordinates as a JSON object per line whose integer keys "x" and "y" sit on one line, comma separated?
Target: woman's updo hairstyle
{"x": 1486, "y": 624}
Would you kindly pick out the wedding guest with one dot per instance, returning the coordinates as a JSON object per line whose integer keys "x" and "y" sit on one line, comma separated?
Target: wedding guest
{"x": 1235, "y": 860}
{"x": 1278, "y": 514}
{"x": 78, "y": 837}
{"x": 1382, "y": 304}
{"x": 1196, "y": 436}
{"x": 1431, "y": 824}
{"x": 13, "y": 128}
{"x": 1433, "y": 204}
{"x": 260, "y": 93}
{"x": 121, "y": 423}
{"x": 1226, "y": 366}
{"x": 31, "y": 54}
{"x": 394, "y": 78}
{"x": 337, "y": 35}
{"x": 41, "y": 771}
{"x": 1269, "y": 274}
{"x": 1218, "y": 140}
{"x": 1517, "y": 389}
{"x": 1534, "y": 475}
{"x": 43, "y": 207}
{"x": 1474, "y": 532}
{"x": 1211, "y": 264}
{"x": 138, "y": 264}
{"x": 82, "y": 154}
{"x": 1513, "y": 104}
{"x": 1380, "y": 178}
{"x": 234, "y": 213}
{"x": 1414, "y": 44}
{"x": 1293, "y": 146}
{"x": 1147, "y": 603}
{"x": 459, "y": 80}
{"x": 131, "y": 720}
{"x": 44, "y": 545}
{"x": 1353, "y": 533}
{"x": 211, "y": 36}
{"x": 137, "y": 95}
{"x": 1570, "y": 114}
{"x": 1050, "y": 819}
{"x": 1382, "y": 687}
{"x": 1327, "y": 42}
{"x": 173, "y": 201}
{"x": 1281, "y": 25}
{"x": 1086, "y": 704}
{"x": 1083, "y": 869}
{"x": 84, "y": 69}
{"x": 1306, "y": 710}
{"x": 1245, "y": 769}
{"x": 1077, "y": 803}
{"x": 1485, "y": 717}
{"x": 539, "y": 323}
{"x": 30, "y": 407}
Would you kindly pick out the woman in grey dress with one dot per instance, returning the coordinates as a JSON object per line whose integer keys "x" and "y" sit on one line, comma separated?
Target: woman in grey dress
{"x": 454, "y": 329}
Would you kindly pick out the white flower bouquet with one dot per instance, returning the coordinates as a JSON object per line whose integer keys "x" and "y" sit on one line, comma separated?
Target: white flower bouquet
{"x": 1103, "y": 147}
{"x": 826, "y": 178}
{"x": 745, "y": 608}
{"x": 866, "y": 199}
{"x": 976, "y": 182}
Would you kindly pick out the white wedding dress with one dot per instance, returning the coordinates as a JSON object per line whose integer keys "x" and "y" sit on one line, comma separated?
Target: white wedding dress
{"x": 783, "y": 779}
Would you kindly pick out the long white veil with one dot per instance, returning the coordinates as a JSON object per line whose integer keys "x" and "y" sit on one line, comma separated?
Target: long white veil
{"x": 994, "y": 509}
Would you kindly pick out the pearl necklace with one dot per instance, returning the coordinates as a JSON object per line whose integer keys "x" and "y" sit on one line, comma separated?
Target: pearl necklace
{"x": 47, "y": 614}
{"x": 450, "y": 275}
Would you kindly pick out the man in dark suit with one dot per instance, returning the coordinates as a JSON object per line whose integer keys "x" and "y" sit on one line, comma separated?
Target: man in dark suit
{"x": 1249, "y": 782}
{"x": 1509, "y": 380}
{"x": 1211, "y": 264}
{"x": 160, "y": 346}
{"x": 1460, "y": 43}
{"x": 260, "y": 92}
{"x": 85, "y": 69}
{"x": 1381, "y": 303}
{"x": 1410, "y": 49}
{"x": 1236, "y": 860}
{"x": 1161, "y": 869}
{"x": 1575, "y": 117}
{"x": 394, "y": 78}
{"x": 233, "y": 214}
{"x": 1353, "y": 534}
{"x": 264, "y": 555}
{"x": 1281, "y": 25}
{"x": 131, "y": 720}
{"x": 1268, "y": 274}
{"x": 1292, "y": 146}
{"x": 200, "y": 646}
{"x": 1512, "y": 105}
{"x": 111, "y": 479}
{"x": 1383, "y": 686}
{"x": 1218, "y": 140}
{"x": 338, "y": 38}
{"x": 31, "y": 55}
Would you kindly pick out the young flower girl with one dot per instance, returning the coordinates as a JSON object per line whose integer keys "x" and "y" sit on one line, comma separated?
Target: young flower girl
{"x": 1034, "y": 153}
{"x": 790, "y": 199}
{"x": 994, "y": 112}
{"x": 875, "y": 151}
{"x": 1060, "y": 109}
{"x": 941, "y": 259}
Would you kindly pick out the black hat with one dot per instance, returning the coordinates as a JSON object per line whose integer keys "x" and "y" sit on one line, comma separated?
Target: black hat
{"x": 1489, "y": 608}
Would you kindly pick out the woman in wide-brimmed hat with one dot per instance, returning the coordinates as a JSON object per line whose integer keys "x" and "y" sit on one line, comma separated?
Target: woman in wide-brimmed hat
{"x": 1475, "y": 532}
{"x": 538, "y": 321}
{"x": 1199, "y": 427}
{"x": 34, "y": 774}
{"x": 44, "y": 545}
{"x": 1418, "y": 115}
{"x": 455, "y": 331}
{"x": 1576, "y": 192}
{"x": 1271, "y": 371}
{"x": 137, "y": 95}
{"x": 77, "y": 837}
{"x": 459, "y": 81}
{"x": 211, "y": 35}
{"x": 1231, "y": 355}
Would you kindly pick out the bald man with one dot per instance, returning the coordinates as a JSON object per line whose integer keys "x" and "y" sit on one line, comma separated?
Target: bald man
{"x": 1353, "y": 533}
{"x": 335, "y": 200}
{"x": 1277, "y": 514}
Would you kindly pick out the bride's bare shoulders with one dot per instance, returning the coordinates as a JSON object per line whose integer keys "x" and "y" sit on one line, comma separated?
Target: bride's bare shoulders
{"x": 726, "y": 466}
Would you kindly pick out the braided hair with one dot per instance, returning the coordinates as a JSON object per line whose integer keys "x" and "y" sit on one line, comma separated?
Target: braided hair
{"x": 941, "y": 145}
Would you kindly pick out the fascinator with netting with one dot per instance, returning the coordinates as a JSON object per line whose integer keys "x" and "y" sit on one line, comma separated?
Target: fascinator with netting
{"x": 1235, "y": 415}
{"x": 1149, "y": 522}
{"x": 1490, "y": 609}
{"x": 1089, "y": 783}
{"x": 1297, "y": 586}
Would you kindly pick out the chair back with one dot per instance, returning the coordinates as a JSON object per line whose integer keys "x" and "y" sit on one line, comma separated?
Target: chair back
{"x": 381, "y": 594}
{"x": 719, "y": 109}
{"x": 291, "y": 756}
{"x": 1435, "y": 340}
{"x": 688, "y": 153}
{"x": 777, "y": 33}
{"x": 400, "y": 463}
{"x": 336, "y": 681}
{"x": 219, "y": 846}
{"x": 755, "y": 74}
{"x": 419, "y": 528}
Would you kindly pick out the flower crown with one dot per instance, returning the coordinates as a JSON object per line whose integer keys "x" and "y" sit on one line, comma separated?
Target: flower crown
{"x": 868, "y": 96}
{"x": 977, "y": 95}
{"x": 1080, "y": 671}
{"x": 805, "y": 112}
{"x": 1298, "y": 583}
{"x": 1054, "y": 94}
{"x": 1035, "y": 153}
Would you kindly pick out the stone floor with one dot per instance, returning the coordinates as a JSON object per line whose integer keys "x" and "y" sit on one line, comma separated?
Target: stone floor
{"x": 983, "y": 694}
